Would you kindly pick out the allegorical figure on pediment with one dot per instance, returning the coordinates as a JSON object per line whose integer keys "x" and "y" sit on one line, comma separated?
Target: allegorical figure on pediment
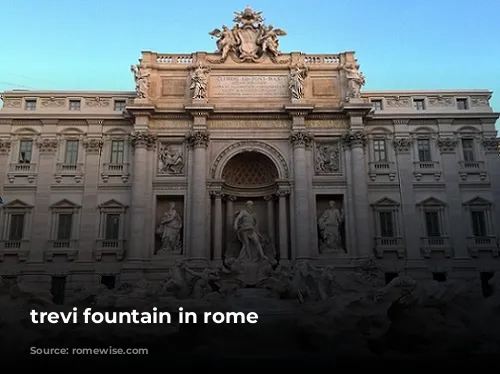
{"x": 296, "y": 82}
{"x": 141, "y": 81}
{"x": 199, "y": 82}
{"x": 356, "y": 80}
{"x": 249, "y": 39}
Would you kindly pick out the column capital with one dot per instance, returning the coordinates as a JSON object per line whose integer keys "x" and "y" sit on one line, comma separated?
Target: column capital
{"x": 402, "y": 144}
{"x": 198, "y": 139}
{"x": 283, "y": 193}
{"x": 491, "y": 144}
{"x": 47, "y": 145}
{"x": 230, "y": 198}
{"x": 217, "y": 194}
{"x": 93, "y": 145}
{"x": 269, "y": 197}
{"x": 447, "y": 144}
{"x": 301, "y": 139}
{"x": 5, "y": 145}
{"x": 143, "y": 139}
{"x": 354, "y": 139}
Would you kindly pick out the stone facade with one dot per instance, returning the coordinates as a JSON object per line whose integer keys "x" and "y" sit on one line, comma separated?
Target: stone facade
{"x": 122, "y": 184}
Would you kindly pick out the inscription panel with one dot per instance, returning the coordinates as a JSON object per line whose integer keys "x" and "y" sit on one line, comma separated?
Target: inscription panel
{"x": 249, "y": 86}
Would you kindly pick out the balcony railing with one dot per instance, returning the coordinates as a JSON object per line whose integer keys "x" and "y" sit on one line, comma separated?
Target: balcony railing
{"x": 22, "y": 168}
{"x": 115, "y": 170}
{"x": 70, "y": 169}
{"x": 426, "y": 166}
{"x": 430, "y": 244}
{"x": 472, "y": 165}
{"x": 68, "y": 248}
{"x": 477, "y": 244}
{"x": 110, "y": 247}
{"x": 19, "y": 248}
{"x": 389, "y": 244}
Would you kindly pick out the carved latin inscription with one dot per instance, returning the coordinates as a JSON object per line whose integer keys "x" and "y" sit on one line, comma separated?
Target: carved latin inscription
{"x": 249, "y": 86}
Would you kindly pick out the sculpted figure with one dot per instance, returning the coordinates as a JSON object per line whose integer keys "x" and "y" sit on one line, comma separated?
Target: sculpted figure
{"x": 296, "y": 82}
{"x": 202, "y": 283}
{"x": 327, "y": 158}
{"x": 268, "y": 39}
{"x": 246, "y": 227}
{"x": 199, "y": 81}
{"x": 329, "y": 228}
{"x": 141, "y": 81}
{"x": 177, "y": 283}
{"x": 170, "y": 230}
{"x": 226, "y": 40}
{"x": 171, "y": 160}
{"x": 356, "y": 80}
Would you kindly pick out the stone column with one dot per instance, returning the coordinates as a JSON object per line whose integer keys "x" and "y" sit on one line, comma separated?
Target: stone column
{"x": 356, "y": 141}
{"x": 198, "y": 140}
{"x": 300, "y": 140}
{"x": 229, "y": 218}
{"x": 89, "y": 221}
{"x": 283, "y": 224}
{"x": 490, "y": 145}
{"x": 270, "y": 217}
{"x": 47, "y": 148}
{"x": 141, "y": 141}
{"x": 217, "y": 195}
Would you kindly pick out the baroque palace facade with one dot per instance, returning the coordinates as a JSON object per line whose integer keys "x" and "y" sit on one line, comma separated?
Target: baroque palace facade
{"x": 115, "y": 186}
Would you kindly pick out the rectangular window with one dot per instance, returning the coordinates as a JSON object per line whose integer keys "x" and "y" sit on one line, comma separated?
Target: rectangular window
{"x": 461, "y": 104}
{"x": 386, "y": 224}
{"x": 25, "y": 150}
{"x": 16, "y": 228}
{"x": 468, "y": 149}
{"x": 64, "y": 226}
{"x": 120, "y": 105}
{"x": 432, "y": 224}
{"x": 377, "y": 104}
{"x": 419, "y": 104}
{"x": 58, "y": 289}
{"x": 379, "y": 150}
{"x": 30, "y": 105}
{"x": 479, "y": 226}
{"x": 117, "y": 151}
{"x": 71, "y": 155}
{"x": 112, "y": 228}
{"x": 74, "y": 105}
{"x": 424, "y": 150}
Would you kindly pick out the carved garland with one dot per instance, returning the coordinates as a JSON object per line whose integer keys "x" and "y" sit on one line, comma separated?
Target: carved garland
{"x": 198, "y": 139}
{"x": 250, "y": 145}
{"x": 354, "y": 139}
{"x": 447, "y": 145}
{"x": 5, "y": 146}
{"x": 402, "y": 145}
{"x": 93, "y": 145}
{"x": 491, "y": 144}
{"x": 47, "y": 145}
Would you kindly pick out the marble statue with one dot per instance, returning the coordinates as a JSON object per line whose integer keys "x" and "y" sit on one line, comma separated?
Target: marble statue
{"x": 202, "y": 281}
{"x": 171, "y": 160}
{"x": 246, "y": 227}
{"x": 141, "y": 81}
{"x": 268, "y": 39}
{"x": 356, "y": 81}
{"x": 177, "y": 283}
{"x": 225, "y": 42}
{"x": 170, "y": 231}
{"x": 327, "y": 158}
{"x": 296, "y": 82}
{"x": 329, "y": 228}
{"x": 199, "y": 81}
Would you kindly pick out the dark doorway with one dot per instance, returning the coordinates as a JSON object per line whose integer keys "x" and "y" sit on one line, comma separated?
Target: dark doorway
{"x": 485, "y": 285}
{"x": 58, "y": 289}
{"x": 390, "y": 276}
{"x": 439, "y": 277}
{"x": 109, "y": 281}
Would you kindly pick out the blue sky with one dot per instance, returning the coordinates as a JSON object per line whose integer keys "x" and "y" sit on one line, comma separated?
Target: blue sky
{"x": 90, "y": 44}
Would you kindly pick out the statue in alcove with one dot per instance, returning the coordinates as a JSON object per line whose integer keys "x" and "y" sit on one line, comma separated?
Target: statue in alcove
{"x": 169, "y": 231}
{"x": 330, "y": 226}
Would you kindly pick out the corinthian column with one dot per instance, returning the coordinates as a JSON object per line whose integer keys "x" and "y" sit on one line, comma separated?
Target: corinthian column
{"x": 198, "y": 141}
{"x": 283, "y": 223}
{"x": 300, "y": 140}
{"x": 217, "y": 234}
{"x": 141, "y": 141}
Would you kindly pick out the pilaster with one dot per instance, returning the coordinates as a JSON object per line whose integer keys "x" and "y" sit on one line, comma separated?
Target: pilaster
{"x": 217, "y": 196}
{"x": 283, "y": 224}
{"x": 492, "y": 157}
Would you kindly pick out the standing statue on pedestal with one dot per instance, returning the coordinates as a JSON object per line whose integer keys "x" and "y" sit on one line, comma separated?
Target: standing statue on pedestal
{"x": 329, "y": 228}
{"x": 141, "y": 81}
{"x": 356, "y": 81}
{"x": 170, "y": 231}
{"x": 296, "y": 82}
{"x": 199, "y": 81}
{"x": 246, "y": 227}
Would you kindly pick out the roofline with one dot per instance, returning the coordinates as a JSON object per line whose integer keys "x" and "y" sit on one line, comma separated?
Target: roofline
{"x": 435, "y": 91}
{"x": 49, "y": 93}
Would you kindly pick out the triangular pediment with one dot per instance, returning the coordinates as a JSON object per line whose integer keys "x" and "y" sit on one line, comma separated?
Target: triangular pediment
{"x": 65, "y": 203}
{"x": 478, "y": 201}
{"x": 17, "y": 204}
{"x": 385, "y": 201}
{"x": 432, "y": 201}
{"x": 110, "y": 204}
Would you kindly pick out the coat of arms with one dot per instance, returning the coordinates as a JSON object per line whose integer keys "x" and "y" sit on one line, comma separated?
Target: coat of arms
{"x": 250, "y": 39}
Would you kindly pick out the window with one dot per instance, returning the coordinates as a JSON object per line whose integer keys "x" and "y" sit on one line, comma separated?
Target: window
{"x": 480, "y": 213}
{"x": 117, "y": 151}
{"x": 71, "y": 154}
{"x": 461, "y": 104}
{"x": 419, "y": 104}
{"x": 468, "y": 149}
{"x": 479, "y": 225}
{"x": 64, "y": 226}
{"x": 386, "y": 224}
{"x": 379, "y": 149}
{"x": 432, "y": 224}
{"x": 112, "y": 228}
{"x": 377, "y": 104}
{"x": 120, "y": 105}
{"x": 25, "y": 150}
{"x": 74, "y": 105}
{"x": 57, "y": 289}
{"x": 16, "y": 226}
{"x": 30, "y": 104}
{"x": 424, "y": 150}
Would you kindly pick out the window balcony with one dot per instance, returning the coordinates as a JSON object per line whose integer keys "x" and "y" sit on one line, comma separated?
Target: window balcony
{"x": 389, "y": 244}
{"x": 19, "y": 248}
{"x": 478, "y": 244}
{"x": 467, "y": 168}
{"x": 115, "y": 170}
{"x": 22, "y": 170}
{"x": 69, "y": 170}
{"x": 382, "y": 168}
{"x": 67, "y": 248}
{"x": 431, "y": 244}
{"x": 114, "y": 247}
{"x": 421, "y": 168}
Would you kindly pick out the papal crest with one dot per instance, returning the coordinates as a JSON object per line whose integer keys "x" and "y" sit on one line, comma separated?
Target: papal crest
{"x": 250, "y": 40}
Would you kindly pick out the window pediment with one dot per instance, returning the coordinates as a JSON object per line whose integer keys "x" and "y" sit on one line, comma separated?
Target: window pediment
{"x": 431, "y": 202}
{"x": 478, "y": 201}
{"x": 113, "y": 205}
{"x": 385, "y": 202}
{"x": 17, "y": 204}
{"x": 65, "y": 204}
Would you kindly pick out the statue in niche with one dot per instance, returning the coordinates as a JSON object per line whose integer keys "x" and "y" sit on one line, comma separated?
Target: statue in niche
{"x": 171, "y": 160}
{"x": 356, "y": 80}
{"x": 330, "y": 224}
{"x": 169, "y": 230}
{"x": 141, "y": 81}
{"x": 327, "y": 158}
{"x": 199, "y": 81}
{"x": 296, "y": 82}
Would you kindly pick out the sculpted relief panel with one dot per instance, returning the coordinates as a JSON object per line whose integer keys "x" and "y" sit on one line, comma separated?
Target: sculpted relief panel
{"x": 327, "y": 158}
{"x": 171, "y": 159}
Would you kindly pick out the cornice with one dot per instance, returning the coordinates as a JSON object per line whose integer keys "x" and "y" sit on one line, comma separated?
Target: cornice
{"x": 435, "y": 116}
